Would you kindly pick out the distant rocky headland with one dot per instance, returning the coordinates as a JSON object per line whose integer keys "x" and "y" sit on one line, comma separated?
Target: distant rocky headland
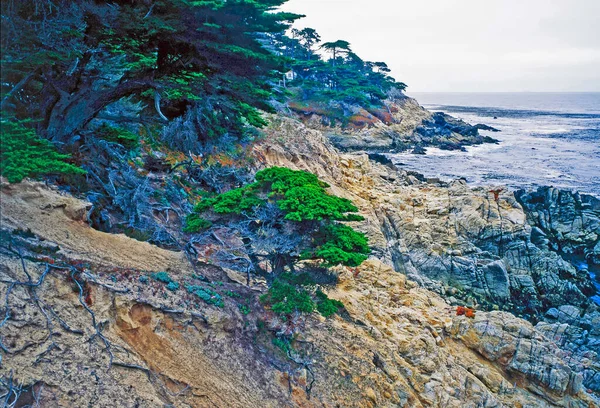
{"x": 409, "y": 127}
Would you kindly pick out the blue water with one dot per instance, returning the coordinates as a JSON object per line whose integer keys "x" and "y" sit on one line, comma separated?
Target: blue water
{"x": 545, "y": 139}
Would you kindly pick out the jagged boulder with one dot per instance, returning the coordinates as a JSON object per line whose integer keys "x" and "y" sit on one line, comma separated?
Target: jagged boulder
{"x": 518, "y": 348}
{"x": 569, "y": 221}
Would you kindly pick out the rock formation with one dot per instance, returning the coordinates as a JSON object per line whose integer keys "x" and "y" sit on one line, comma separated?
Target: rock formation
{"x": 474, "y": 246}
{"x": 411, "y": 128}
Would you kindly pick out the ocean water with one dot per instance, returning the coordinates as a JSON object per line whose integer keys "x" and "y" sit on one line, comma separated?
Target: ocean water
{"x": 545, "y": 139}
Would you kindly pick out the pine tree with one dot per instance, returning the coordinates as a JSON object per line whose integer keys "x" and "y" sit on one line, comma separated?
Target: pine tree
{"x": 65, "y": 61}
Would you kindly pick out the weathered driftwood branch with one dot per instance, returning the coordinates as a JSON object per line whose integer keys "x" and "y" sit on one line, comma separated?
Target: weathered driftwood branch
{"x": 157, "y": 106}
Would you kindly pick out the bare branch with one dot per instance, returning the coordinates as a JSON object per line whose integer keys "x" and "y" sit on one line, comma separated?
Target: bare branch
{"x": 157, "y": 104}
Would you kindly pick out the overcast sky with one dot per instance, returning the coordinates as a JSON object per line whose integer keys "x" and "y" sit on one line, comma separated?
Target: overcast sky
{"x": 469, "y": 45}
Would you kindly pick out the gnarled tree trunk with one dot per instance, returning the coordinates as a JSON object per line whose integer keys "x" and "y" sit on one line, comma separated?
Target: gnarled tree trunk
{"x": 72, "y": 112}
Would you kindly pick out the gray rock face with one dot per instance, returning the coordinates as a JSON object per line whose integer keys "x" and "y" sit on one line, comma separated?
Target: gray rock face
{"x": 570, "y": 222}
{"x": 496, "y": 278}
{"x": 520, "y": 349}
{"x": 577, "y": 332}
{"x": 486, "y": 250}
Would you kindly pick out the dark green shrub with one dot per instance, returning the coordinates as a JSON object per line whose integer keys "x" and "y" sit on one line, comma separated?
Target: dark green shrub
{"x": 173, "y": 286}
{"x": 24, "y": 154}
{"x": 194, "y": 223}
{"x": 208, "y": 295}
{"x": 286, "y": 299}
{"x": 292, "y": 293}
{"x": 118, "y": 135}
{"x": 162, "y": 277}
{"x": 244, "y": 309}
{"x": 281, "y": 343}
{"x": 327, "y": 306}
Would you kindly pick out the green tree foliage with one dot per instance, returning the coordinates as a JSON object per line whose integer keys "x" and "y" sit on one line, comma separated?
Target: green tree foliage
{"x": 311, "y": 202}
{"x": 339, "y": 244}
{"x": 325, "y": 85}
{"x": 195, "y": 223}
{"x": 308, "y": 38}
{"x": 286, "y": 298}
{"x": 336, "y": 48}
{"x": 65, "y": 61}
{"x": 283, "y": 217}
{"x": 118, "y": 135}
{"x": 327, "y": 306}
{"x": 24, "y": 154}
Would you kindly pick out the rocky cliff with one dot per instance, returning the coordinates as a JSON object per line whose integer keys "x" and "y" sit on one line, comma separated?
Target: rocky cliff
{"x": 89, "y": 322}
{"x": 406, "y": 126}
{"x": 478, "y": 247}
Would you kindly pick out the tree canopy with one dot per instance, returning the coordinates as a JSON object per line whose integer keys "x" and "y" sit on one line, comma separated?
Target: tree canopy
{"x": 283, "y": 217}
{"x": 65, "y": 61}
{"x": 24, "y": 154}
{"x": 288, "y": 204}
{"x": 343, "y": 78}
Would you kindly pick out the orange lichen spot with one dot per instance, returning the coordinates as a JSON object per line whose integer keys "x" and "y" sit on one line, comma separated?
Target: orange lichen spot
{"x": 465, "y": 311}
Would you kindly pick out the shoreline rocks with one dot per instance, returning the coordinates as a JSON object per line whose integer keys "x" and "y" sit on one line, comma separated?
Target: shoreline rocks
{"x": 413, "y": 128}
